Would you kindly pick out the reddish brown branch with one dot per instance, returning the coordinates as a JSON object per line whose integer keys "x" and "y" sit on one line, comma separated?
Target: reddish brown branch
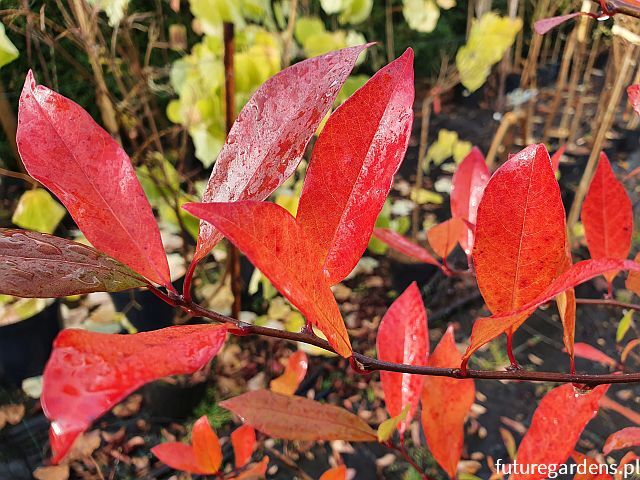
{"x": 367, "y": 364}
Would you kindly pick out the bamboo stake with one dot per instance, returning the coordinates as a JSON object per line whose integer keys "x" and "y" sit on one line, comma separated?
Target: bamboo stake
{"x": 422, "y": 151}
{"x": 233, "y": 265}
{"x": 603, "y": 127}
{"x": 508, "y": 120}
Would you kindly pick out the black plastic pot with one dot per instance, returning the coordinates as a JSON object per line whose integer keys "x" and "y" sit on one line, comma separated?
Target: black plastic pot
{"x": 172, "y": 401}
{"x": 25, "y": 346}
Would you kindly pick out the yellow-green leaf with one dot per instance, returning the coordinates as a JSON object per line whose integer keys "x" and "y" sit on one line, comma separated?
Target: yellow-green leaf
{"x": 8, "y": 51}
{"x": 421, "y": 15}
{"x": 386, "y": 428}
{"x": 624, "y": 325}
{"x": 37, "y": 210}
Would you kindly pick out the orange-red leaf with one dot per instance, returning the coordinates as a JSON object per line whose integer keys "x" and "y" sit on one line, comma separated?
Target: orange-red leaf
{"x": 179, "y": 456}
{"x": 584, "y": 350}
{"x": 270, "y": 237}
{"x": 625, "y": 438}
{"x": 337, "y": 473}
{"x": 633, "y": 280}
{"x": 203, "y": 456}
{"x": 444, "y": 237}
{"x": 296, "y": 418}
{"x": 256, "y": 471}
{"x": 557, "y": 424}
{"x": 69, "y": 153}
{"x": 445, "y": 405}
{"x": 404, "y": 246}
{"x": 589, "y": 468}
{"x": 486, "y": 329}
{"x": 353, "y": 164}
{"x": 206, "y": 446}
{"x": 633, "y": 92}
{"x": 467, "y": 186}
{"x": 271, "y": 133}
{"x": 403, "y": 338}
{"x": 89, "y": 373}
{"x": 607, "y": 216}
{"x": 610, "y": 404}
{"x": 243, "y": 440}
{"x": 294, "y": 373}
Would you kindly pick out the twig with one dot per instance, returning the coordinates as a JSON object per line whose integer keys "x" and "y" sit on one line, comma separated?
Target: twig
{"x": 605, "y": 302}
{"x": 365, "y": 364}
{"x": 403, "y": 453}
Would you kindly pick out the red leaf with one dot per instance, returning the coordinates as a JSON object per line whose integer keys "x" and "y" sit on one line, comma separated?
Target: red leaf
{"x": 607, "y": 216}
{"x": 633, "y": 91}
{"x": 588, "y": 352}
{"x": 555, "y": 159}
{"x": 271, "y": 133}
{"x": 179, "y": 456}
{"x": 270, "y": 237}
{"x": 556, "y": 427}
{"x": 243, "y": 440}
{"x": 206, "y": 446}
{"x": 592, "y": 469}
{"x": 546, "y": 24}
{"x": 294, "y": 373}
{"x": 65, "y": 150}
{"x": 403, "y": 338}
{"x": 625, "y": 438}
{"x": 297, "y": 418}
{"x": 467, "y": 186}
{"x": 353, "y": 164}
{"x": 337, "y": 473}
{"x": 486, "y": 329}
{"x": 88, "y": 372}
{"x": 445, "y": 405}
{"x": 38, "y": 265}
{"x": 633, "y": 280}
{"x": 404, "y": 246}
{"x": 444, "y": 237}
{"x": 520, "y": 231}
{"x": 203, "y": 456}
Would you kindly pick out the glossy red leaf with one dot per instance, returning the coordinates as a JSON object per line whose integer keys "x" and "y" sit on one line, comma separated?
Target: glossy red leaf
{"x": 401, "y": 244}
{"x": 70, "y": 154}
{"x": 626, "y": 438}
{"x": 444, "y": 237}
{"x": 89, "y": 373}
{"x": 268, "y": 139}
{"x": 607, "y": 216}
{"x": 557, "y": 424}
{"x": 206, "y": 446}
{"x": 546, "y": 24}
{"x": 486, "y": 329}
{"x": 179, "y": 456}
{"x": 294, "y": 373}
{"x": 633, "y": 92}
{"x": 203, "y": 456}
{"x": 586, "y": 351}
{"x": 520, "y": 231}
{"x": 270, "y": 237}
{"x": 445, "y": 405}
{"x": 297, "y": 418}
{"x": 403, "y": 338}
{"x": 555, "y": 158}
{"x": 38, "y": 265}
{"x": 467, "y": 186}
{"x": 243, "y": 440}
{"x": 591, "y": 468}
{"x": 354, "y": 160}
{"x": 337, "y": 473}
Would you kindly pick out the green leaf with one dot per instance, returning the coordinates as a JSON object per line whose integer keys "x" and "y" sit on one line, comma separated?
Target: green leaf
{"x": 307, "y": 27}
{"x": 624, "y": 325}
{"x": 8, "y": 51}
{"x": 386, "y": 428}
{"x": 37, "y": 210}
{"x": 355, "y": 11}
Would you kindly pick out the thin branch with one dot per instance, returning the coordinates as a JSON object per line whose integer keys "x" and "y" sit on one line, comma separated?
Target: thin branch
{"x": 605, "y": 302}
{"x": 364, "y": 364}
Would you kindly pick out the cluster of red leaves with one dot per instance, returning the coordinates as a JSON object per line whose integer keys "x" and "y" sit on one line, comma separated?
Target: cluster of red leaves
{"x": 511, "y": 225}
